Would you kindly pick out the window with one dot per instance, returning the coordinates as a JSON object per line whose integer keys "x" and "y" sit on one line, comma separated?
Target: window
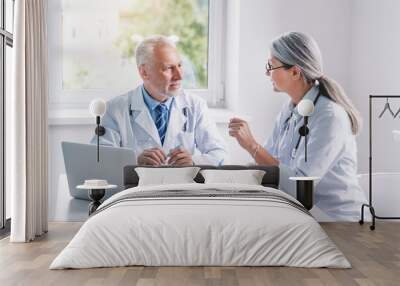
{"x": 92, "y": 44}
{"x": 6, "y": 43}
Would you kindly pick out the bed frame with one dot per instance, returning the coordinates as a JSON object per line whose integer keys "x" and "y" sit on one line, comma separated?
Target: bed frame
{"x": 304, "y": 188}
{"x": 270, "y": 179}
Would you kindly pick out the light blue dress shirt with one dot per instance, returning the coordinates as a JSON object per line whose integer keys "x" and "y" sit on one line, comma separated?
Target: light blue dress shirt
{"x": 331, "y": 156}
{"x": 151, "y": 104}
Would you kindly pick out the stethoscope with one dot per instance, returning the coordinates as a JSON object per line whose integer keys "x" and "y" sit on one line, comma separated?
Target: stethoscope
{"x": 184, "y": 112}
{"x": 286, "y": 128}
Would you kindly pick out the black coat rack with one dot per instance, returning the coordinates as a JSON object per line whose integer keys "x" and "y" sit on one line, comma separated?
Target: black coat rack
{"x": 370, "y": 206}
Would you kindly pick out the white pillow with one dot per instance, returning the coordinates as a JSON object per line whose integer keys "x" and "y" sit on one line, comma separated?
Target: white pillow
{"x": 163, "y": 176}
{"x": 249, "y": 177}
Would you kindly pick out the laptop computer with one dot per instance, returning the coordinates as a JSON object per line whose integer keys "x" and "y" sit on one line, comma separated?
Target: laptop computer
{"x": 81, "y": 164}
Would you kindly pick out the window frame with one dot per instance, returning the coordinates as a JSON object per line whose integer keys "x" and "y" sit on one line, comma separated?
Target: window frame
{"x": 60, "y": 98}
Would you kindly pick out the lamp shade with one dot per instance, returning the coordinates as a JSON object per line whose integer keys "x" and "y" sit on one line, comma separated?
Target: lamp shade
{"x": 305, "y": 107}
{"x": 97, "y": 107}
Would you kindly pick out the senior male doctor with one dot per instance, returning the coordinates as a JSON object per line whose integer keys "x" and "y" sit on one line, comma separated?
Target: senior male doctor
{"x": 158, "y": 120}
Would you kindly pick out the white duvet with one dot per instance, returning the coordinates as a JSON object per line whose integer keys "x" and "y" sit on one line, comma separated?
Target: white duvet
{"x": 200, "y": 231}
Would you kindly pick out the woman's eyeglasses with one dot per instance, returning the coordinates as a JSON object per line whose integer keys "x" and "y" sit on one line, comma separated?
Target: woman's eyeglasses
{"x": 269, "y": 67}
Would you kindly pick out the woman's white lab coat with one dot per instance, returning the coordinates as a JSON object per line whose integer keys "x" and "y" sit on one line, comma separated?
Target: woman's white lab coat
{"x": 331, "y": 155}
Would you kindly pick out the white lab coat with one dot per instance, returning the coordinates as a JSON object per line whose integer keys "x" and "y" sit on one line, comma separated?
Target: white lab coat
{"x": 128, "y": 123}
{"x": 331, "y": 156}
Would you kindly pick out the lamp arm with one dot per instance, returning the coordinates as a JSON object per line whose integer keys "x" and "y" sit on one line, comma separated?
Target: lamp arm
{"x": 98, "y": 146}
{"x": 303, "y": 131}
{"x": 100, "y": 131}
{"x": 305, "y": 137}
{"x": 305, "y": 148}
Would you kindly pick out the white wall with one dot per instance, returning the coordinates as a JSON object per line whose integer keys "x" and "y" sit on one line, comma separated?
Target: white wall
{"x": 57, "y": 134}
{"x": 374, "y": 68}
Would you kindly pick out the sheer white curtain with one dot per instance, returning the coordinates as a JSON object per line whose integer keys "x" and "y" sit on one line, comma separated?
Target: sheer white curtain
{"x": 28, "y": 122}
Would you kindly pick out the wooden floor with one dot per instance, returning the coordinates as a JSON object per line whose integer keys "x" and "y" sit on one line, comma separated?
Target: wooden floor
{"x": 374, "y": 255}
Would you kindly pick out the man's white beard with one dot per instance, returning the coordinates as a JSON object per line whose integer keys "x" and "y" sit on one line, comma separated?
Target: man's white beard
{"x": 167, "y": 94}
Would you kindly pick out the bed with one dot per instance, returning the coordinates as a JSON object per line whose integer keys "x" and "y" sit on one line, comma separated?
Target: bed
{"x": 201, "y": 224}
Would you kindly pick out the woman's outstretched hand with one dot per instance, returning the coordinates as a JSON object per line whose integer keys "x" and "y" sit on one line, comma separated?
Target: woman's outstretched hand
{"x": 239, "y": 129}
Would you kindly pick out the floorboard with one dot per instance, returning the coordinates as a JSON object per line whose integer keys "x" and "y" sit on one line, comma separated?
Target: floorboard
{"x": 374, "y": 255}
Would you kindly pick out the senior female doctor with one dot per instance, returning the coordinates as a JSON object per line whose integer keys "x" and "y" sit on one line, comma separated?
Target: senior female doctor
{"x": 295, "y": 67}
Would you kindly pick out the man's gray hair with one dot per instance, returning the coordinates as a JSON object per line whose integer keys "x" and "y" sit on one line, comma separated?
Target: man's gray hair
{"x": 301, "y": 50}
{"x": 145, "y": 49}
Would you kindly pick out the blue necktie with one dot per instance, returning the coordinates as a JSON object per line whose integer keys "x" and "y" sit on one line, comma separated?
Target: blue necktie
{"x": 161, "y": 120}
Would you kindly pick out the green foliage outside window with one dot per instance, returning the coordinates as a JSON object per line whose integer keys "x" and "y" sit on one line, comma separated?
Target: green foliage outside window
{"x": 186, "y": 19}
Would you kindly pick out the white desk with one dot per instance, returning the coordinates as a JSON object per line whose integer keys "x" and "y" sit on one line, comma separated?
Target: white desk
{"x": 63, "y": 207}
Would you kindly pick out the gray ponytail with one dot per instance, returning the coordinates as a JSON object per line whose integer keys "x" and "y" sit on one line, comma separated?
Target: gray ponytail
{"x": 301, "y": 50}
{"x": 331, "y": 89}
